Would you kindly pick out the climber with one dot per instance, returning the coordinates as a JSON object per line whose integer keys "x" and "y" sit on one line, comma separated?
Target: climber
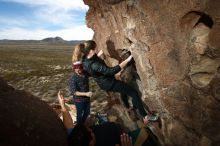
{"x": 104, "y": 76}
{"x": 107, "y": 134}
{"x": 79, "y": 87}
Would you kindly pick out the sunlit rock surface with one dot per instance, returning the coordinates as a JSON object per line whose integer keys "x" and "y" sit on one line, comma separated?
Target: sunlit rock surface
{"x": 176, "y": 48}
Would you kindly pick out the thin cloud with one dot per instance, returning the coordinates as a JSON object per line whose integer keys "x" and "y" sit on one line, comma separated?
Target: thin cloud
{"x": 58, "y": 16}
{"x": 4, "y": 21}
{"x": 63, "y": 4}
{"x": 48, "y": 18}
{"x": 63, "y": 12}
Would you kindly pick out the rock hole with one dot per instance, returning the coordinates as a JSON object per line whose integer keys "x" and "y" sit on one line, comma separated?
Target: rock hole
{"x": 199, "y": 25}
{"x": 205, "y": 19}
{"x": 192, "y": 19}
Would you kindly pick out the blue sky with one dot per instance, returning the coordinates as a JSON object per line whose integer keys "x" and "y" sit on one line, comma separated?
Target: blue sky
{"x": 38, "y": 19}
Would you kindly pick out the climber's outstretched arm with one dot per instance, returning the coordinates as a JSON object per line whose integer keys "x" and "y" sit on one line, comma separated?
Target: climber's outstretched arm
{"x": 67, "y": 119}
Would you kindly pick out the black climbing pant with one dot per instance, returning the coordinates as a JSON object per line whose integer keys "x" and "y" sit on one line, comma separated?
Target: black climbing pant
{"x": 125, "y": 89}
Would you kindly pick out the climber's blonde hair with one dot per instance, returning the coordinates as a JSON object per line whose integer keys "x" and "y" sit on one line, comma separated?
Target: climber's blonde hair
{"x": 77, "y": 52}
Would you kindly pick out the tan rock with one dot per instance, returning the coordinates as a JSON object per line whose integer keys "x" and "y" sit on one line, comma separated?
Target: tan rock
{"x": 176, "y": 49}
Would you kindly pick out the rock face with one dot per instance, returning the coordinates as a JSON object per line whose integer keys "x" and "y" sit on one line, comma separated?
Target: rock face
{"x": 176, "y": 48}
{"x": 27, "y": 121}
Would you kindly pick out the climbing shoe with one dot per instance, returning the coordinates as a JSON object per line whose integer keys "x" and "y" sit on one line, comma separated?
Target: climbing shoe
{"x": 150, "y": 118}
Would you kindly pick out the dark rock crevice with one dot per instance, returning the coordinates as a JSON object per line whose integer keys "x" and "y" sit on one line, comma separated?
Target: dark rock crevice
{"x": 205, "y": 19}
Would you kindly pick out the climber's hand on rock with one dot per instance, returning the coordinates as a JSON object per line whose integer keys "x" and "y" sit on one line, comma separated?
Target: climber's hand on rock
{"x": 125, "y": 62}
{"x": 118, "y": 75}
{"x": 129, "y": 58}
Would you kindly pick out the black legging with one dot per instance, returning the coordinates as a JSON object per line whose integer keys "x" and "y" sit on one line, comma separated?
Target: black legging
{"x": 124, "y": 98}
{"x": 123, "y": 88}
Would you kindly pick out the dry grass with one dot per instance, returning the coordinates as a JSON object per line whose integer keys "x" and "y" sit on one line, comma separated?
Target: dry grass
{"x": 41, "y": 69}
{"x": 20, "y": 61}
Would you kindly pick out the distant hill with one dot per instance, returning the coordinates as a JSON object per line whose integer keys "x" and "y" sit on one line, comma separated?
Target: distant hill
{"x": 54, "y": 40}
{"x": 49, "y": 40}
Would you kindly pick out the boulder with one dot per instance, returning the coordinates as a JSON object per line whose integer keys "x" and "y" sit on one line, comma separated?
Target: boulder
{"x": 28, "y": 121}
{"x": 176, "y": 50}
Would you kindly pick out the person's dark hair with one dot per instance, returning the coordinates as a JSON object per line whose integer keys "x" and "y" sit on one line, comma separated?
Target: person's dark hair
{"x": 80, "y": 136}
{"x": 88, "y": 45}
